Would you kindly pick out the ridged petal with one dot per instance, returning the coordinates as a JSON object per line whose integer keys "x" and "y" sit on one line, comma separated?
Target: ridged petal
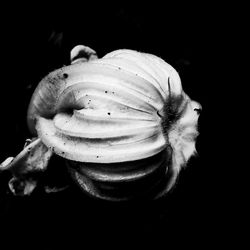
{"x": 116, "y": 149}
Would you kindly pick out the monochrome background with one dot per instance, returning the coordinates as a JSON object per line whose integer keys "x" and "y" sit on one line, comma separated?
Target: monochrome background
{"x": 36, "y": 40}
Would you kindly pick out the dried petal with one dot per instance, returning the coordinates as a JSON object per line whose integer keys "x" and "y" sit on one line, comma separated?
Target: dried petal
{"x": 34, "y": 157}
{"x": 22, "y": 186}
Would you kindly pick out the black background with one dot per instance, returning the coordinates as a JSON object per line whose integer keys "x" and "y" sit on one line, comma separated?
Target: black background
{"x": 36, "y": 40}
